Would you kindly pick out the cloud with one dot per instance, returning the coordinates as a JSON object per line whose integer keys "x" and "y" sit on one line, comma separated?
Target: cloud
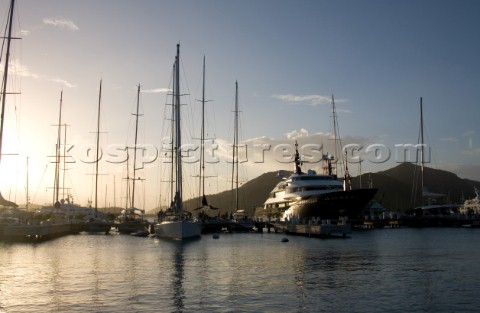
{"x": 63, "y": 82}
{"x": 472, "y": 152}
{"x": 21, "y": 70}
{"x": 24, "y": 71}
{"x": 468, "y": 171}
{"x": 61, "y": 22}
{"x": 344, "y": 111}
{"x": 314, "y": 100}
{"x": 449, "y": 139}
{"x": 469, "y": 133}
{"x": 157, "y": 90}
{"x": 265, "y": 154}
{"x": 302, "y": 133}
{"x": 24, "y": 32}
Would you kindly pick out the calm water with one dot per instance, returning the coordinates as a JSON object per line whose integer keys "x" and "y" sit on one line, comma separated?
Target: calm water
{"x": 395, "y": 270}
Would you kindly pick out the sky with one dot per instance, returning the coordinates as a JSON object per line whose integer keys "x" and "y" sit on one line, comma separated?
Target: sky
{"x": 375, "y": 58}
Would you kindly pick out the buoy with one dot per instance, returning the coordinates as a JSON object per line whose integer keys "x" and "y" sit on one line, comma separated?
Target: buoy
{"x": 216, "y": 235}
{"x": 284, "y": 239}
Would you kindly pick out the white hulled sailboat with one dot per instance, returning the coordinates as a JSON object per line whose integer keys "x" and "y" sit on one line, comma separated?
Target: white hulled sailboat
{"x": 175, "y": 223}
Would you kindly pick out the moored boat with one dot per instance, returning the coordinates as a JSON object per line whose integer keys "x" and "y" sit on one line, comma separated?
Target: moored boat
{"x": 240, "y": 222}
{"x": 176, "y": 223}
{"x": 435, "y": 210}
{"x": 471, "y": 207}
{"x": 97, "y": 224}
{"x": 304, "y": 196}
{"x": 132, "y": 219}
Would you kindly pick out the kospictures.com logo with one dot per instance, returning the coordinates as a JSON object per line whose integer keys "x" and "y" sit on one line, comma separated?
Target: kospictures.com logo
{"x": 252, "y": 152}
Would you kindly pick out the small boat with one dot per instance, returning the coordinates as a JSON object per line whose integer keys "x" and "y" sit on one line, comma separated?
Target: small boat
{"x": 240, "y": 222}
{"x": 131, "y": 220}
{"x": 98, "y": 225}
{"x": 212, "y": 224}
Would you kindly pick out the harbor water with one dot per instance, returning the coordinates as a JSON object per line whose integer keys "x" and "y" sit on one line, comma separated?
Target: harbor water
{"x": 388, "y": 270}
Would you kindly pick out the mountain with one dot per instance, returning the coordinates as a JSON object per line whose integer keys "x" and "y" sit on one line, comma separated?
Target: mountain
{"x": 394, "y": 186}
{"x": 250, "y": 195}
{"x": 397, "y": 186}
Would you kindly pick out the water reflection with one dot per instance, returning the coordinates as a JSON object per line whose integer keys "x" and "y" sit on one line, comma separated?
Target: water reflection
{"x": 375, "y": 271}
{"x": 177, "y": 276}
{"x": 177, "y": 250}
{"x": 55, "y": 279}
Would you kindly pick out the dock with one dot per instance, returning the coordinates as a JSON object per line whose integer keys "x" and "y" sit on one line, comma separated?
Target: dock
{"x": 322, "y": 229}
{"x": 36, "y": 232}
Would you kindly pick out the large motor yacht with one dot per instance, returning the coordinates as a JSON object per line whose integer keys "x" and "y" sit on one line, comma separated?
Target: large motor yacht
{"x": 310, "y": 195}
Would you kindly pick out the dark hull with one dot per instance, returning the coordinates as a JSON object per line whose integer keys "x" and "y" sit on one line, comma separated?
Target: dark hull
{"x": 240, "y": 226}
{"x": 98, "y": 227}
{"x": 332, "y": 205}
{"x": 209, "y": 227}
{"x": 132, "y": 226}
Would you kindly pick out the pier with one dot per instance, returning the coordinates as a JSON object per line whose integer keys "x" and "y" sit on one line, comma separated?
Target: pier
{"x": 38, "y": 232}
{"x": 416, "y": 222}
{"x": 315, "y": 228}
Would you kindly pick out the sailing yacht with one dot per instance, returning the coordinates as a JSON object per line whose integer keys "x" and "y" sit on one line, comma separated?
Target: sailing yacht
{"x": 210, "y": 224}
{"x": 96, "y": 224}
{"x": 131, "y": 220}
{"x": 175, "y": 223}
{"x": 56, "y": 224}
{"x": 4, "y": 202}
{"x": 434, "y": 209}
{"x": 8, "y": 209}
{"x": 239, "y": 222}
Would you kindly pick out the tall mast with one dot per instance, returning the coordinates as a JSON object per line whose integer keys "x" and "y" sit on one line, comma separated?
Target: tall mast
{"x": 114, "y": 192}
{"x": 202, "y": 143}
{"x": 64, "y": 159}
{"x": 178, "y": 135}
{"x": 97, "y": 159}
{"x": 172, "y": 131}
{"x": 202, "y": 137}
{"x": 57, "y": 153}
{"x": 202, "y": 176}
{"x": 28, "y": 200}
{"x": 422, "y": 161}
{"x": 5, "y": 74}
{"x": 127, "y": 198}
{"x": 235, "y": 147}
{"x": 135, "y": 148}
{"x": 336, "y": 136}
{"x": 298, "y": 169}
